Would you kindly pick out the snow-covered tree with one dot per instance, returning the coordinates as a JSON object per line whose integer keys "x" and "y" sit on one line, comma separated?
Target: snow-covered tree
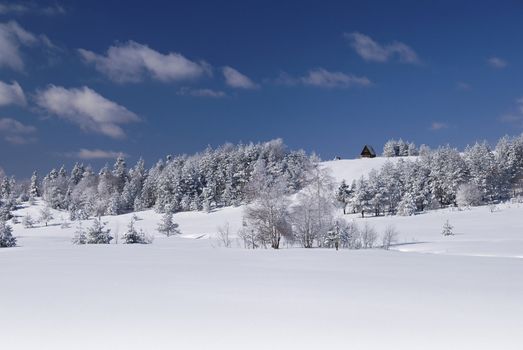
{"x": 412, "y": 150}
{"x": 28, "y": 221}
{"x": 54, "y": 190}
{"x": 482, "y": 169}
{"x": 407, "y": 205}
{"x": 368, "y": 235}
{"x": 134, "y": 236}
{"x": 120, "y": 173}
{"x": 343, "y": 195}
{"x": 389, "y": 237}
{"x": 80, "y": 236}
{"x": 333, "y": 237}
{"x": 46, "y": 215}
{"x": 269, "y": 216}
{"x": 34, "y": 189}
{"x": 447, "y": 172}
{"x": 447, "y": 229}
{"x": 133, "y": 186}
{"x": 98, "y": 234}
{"x": 349, "y": 234}
{"x": 5, "y": 211}
{"x": 6, "y": 235}
{"x": 377, "y": 191}
{"x": 390, "y": 149}
{"x": 469, "y": 195}
{"x": 424, "y": 150}
{"x": 403, "y": 148}
{"x": 315, "y": 207}
{"x": 362, "y": 197}
{"x": 5, "y": 189}
{"x": 224, "y": 235}
{"x": 167, "y": 226}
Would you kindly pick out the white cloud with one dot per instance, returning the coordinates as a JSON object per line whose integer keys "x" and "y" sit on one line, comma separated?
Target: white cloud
{"x": 519, "y": 103}
{"x": 511, "y": 118}
{"x": 323, "y": 78}
{"x": 29, "y": 7}
{"x": 235, "y": 79}
{"x": 12, "y": 94}
{"x": 131, "y": 62}
{"x": 461, "y": 85}
{"x": 435, "y": 126}
{"x": 12, "y": 37}
{"x": 320, "y": 77}
{"x": 15, "y": 132}
{"x": 370, "y": 50}
{"x": 516, "y": 117}
{"x": 185, "y": 91}
{"x": 86, "y": 108}
{"x": 87, "y": 154}
{"x": 496, "y": 62}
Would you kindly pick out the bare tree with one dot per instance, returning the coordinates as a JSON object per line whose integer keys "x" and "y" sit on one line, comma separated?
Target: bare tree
{"x": 368, "y": 236}
{"x": 304, "y": 221}
{"x": 268, "y": 216}
{"x": 321, "y": 187}
{"x": 389, "y": 237}
{"x": 224, "y": 235}
{"x": 46, "y": 215}
{"x": 248, "y": 236}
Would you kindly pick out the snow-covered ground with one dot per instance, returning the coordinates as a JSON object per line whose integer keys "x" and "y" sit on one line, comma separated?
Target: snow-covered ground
{"x": 428, "y": 292}
{"x": 353, "y": 169}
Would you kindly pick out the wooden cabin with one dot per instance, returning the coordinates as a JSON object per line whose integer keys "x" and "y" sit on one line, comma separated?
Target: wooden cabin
{"x": 368, "y": 152}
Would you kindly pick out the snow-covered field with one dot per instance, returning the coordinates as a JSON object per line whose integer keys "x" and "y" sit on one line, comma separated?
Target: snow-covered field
{"x": 428, "y": 292}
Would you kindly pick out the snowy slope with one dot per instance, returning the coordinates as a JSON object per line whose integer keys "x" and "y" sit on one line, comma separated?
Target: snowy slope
{"x": 353, "y": 169}
{"x": 186, "y": 292}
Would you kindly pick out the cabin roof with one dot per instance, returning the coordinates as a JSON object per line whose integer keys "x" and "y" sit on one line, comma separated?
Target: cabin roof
{"x": 369, "y": 148}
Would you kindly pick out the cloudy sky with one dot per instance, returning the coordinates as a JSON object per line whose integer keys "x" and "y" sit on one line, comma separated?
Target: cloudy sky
{"x": 93, "y": 79}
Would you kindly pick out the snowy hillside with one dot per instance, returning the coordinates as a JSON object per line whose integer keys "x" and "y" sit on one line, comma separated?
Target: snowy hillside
{"x": 353, "y": 169}
{"x": 186, "y": 292}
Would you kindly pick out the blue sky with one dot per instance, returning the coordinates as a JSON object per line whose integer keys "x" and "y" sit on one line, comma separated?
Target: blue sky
{"x": 87, "y": 80}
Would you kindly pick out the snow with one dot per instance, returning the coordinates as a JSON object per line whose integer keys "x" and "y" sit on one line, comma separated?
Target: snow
{"x": 427, "y": 292}
{"x": 353, "y": 169}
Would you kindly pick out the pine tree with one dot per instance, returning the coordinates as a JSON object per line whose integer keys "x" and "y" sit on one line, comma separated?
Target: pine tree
{"x": 5, "y": 189}
{"x": 28, "y": 221}
{"x": 343, "y": 195}
{"x": 6, "y": 235}
{"x": 362, "y": 197}
{"x": 389, "y": 149}
{"x": 167, "y": 226}
{"x": 334, "y": 236}
{"x": 407, "y": 206}
{"x": 5, "y": 211}
{"x": 447, "y": 229}
{"x": 133, "y": 187}
{"x": 132, "y": 236}
{"x": 98, "y": 234}
{"x": 34, "y": 190}
{"x": 412, "y": 150}
{"x": 76, "y": 174}
{"x": 80, "y": 236}
{"x": 120, "y": 173}
{"x": 403, "y": 148}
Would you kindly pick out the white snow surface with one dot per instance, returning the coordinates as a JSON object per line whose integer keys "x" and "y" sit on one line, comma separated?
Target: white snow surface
{"x": 428, "y": 292}
{"x": 353, "y": 169}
